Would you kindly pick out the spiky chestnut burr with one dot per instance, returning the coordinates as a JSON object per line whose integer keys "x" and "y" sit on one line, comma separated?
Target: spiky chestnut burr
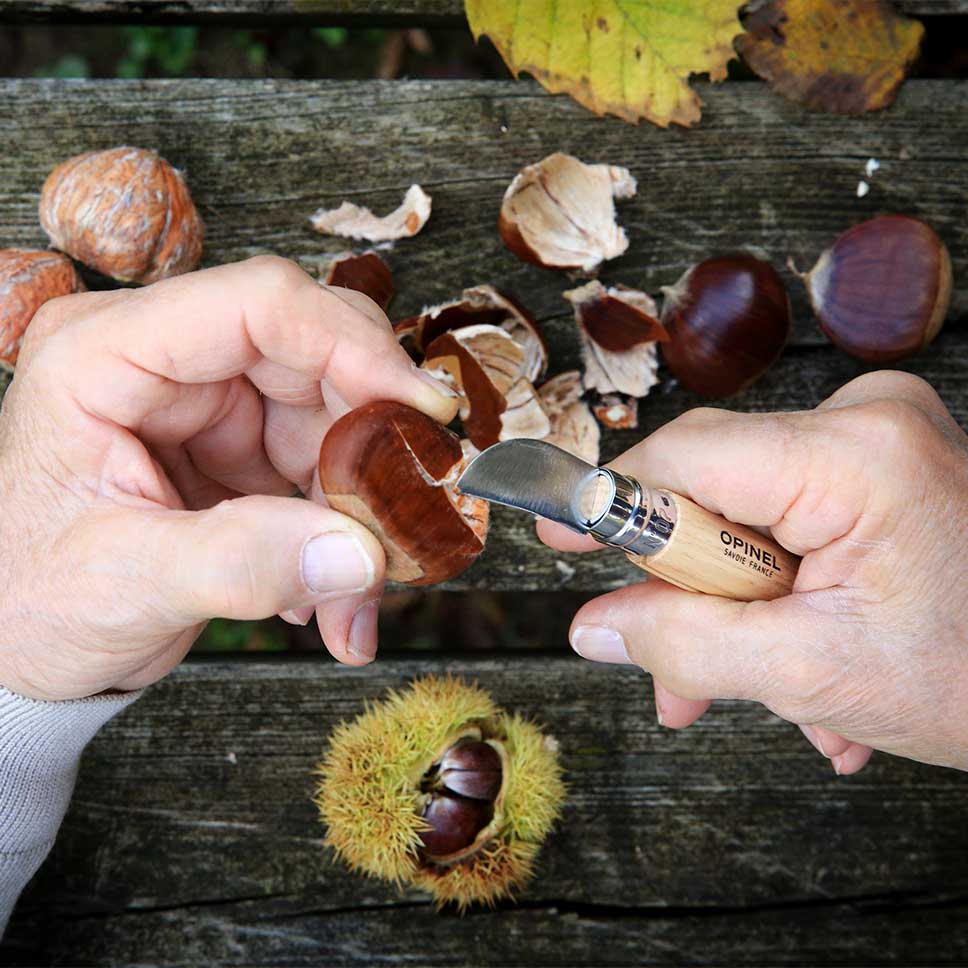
{"x": 437, "y": 787}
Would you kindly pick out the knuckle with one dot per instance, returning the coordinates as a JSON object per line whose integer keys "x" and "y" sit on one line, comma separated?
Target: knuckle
{"x": 896, "y": 428}
{"x": 273, "y": 273}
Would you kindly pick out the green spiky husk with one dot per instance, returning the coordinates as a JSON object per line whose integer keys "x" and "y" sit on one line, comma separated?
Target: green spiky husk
{"x": 368, "y": 793}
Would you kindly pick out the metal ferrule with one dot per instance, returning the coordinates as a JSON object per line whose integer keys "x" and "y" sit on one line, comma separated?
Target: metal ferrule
{"x": 640, "y": 520}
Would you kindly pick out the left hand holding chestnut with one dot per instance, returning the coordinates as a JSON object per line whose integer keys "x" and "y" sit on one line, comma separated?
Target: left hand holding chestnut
{"x": 150, "y": 447}
{"x": 869, "y": 650}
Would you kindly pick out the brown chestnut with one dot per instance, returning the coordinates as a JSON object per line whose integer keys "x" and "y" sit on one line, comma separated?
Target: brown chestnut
{"x": 728, "y": 320}
{"x": 28, "y": 280}
{"x": 881, "y": 291}
{"x": 394, "y": 470}
{"x": 366, "y": 273}
{"x": 471, "y": 769}
{"x": 124, "y": 212}
{"x": 454, "y": 822}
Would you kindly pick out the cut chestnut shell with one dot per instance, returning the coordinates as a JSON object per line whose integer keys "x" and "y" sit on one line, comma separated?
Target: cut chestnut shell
{"x": 479, "y": 306}
{"x": 488, "y": 369}
{"x": 881, "y": 291}
{"x": 124, "y": 212}
{"x": 366, "y": 273}
{"x": 28, "y": 280}
{"x": 619, "y": 330}
{"x": 573, "y": 428}
{"x": 728, "y": 320}
{"x": 617, "y": 412}
{"x": 356, "y": 222}
{"x": 393, "y": 469}
{"x": 560, "y": 213}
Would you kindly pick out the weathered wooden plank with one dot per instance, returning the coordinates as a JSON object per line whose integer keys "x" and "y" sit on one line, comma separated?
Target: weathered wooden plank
{"x": 730, "y": 842}
{"x": 390, "y": 12}
{"x": 262, "y": 155}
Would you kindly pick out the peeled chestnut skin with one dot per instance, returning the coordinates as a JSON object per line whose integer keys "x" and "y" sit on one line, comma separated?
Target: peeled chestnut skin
{"x": 881, "y": 291}
{"x": 728, "y": 320}
{"x": 393, "y": 468}
{"x": 454, "y": 822}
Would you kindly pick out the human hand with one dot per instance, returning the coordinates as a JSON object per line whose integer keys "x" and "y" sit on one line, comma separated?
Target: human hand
{"x": 149, "y": 447}
{"x": 871, "y": 649}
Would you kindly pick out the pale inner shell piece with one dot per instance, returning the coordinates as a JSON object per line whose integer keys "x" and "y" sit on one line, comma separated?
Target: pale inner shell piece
{"x": 573, "y": 428}
{"x": 563, "y": 212}
{"x": 356, "y": 222}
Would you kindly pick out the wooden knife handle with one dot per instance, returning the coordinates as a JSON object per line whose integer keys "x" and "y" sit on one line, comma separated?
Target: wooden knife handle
{"x": 706, "y": 553}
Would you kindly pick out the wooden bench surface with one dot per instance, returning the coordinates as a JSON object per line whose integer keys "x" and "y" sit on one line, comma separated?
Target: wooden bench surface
{"x": 261, "y": 156}
{"x": 731, "y": 842}
{"x": 390, "y": 12}
{"x": 728, "y": 843}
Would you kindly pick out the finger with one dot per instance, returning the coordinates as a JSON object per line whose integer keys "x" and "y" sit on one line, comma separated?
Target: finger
{"x": 230, "y": 449}
{"x": 675, "y": 712}
{"x": 560, "y": 538}
{"x": 252, "y": 558}
{"x": 129, "y": 357}
{"x": 699, "y": 646}
{"x": 293, "y": 436}
{"x": 851, "y": 760}
{"x": 824, "y": 741}
{"x": 195, "y": 491}
{"x": 349, "y": 627}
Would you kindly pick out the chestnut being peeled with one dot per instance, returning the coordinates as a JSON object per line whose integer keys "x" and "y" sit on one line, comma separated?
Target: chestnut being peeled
{"x": 728, "y": 319}
{"x": 881, "y": 291}
{"x": 394, "y": 470}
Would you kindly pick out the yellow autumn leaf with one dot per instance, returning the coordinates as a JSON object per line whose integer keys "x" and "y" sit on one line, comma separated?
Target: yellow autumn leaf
{"x": 842, "y": 56}
{"x": 632, "y": 58}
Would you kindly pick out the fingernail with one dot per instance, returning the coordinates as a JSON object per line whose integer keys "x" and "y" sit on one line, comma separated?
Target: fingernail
{"x": 432, "y": 381}
{"x": 363, "y": 631}
{"x": 599, "y": 644}
{"x": 298, "y": 616}
{"x": 814, "y": 739}
{"x": 658, "y": 714}
{"x": 837, "y": 763}
{"x": 336, "y": 563}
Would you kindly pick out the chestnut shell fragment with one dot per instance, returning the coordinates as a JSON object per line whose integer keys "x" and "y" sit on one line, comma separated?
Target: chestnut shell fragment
{"x": 366, "y": 273}
{"x": 728, "y": 320}
{"x": 393, "y": 469}
{"x": 881, "y": 291}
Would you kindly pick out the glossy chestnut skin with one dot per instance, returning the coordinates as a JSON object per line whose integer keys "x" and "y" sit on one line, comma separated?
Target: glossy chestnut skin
{"x": 28, "y": 279}
{"x": 124, "y": 212}
{"x": 366, "y": 273}
{"x": 881, "y": 291}
{"x": 455, "y": 823}
{"x": 393, "y": 468}
{"x": 471, "y": 769}
{"x": 728, "y": 320}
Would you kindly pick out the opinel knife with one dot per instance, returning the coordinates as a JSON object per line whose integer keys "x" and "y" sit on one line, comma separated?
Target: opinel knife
{"x": 662, "y": 532}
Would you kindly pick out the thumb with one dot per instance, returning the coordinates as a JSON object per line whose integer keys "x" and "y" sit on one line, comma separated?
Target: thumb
{"x": 252, "y": 557}
{"x": 699, "y": 646}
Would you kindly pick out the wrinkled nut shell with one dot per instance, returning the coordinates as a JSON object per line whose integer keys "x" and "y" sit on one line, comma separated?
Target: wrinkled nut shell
{"x": 393, "y": 469}
{"x": 881, "y": 291}
{"x": 27, "y": 281}
{"x": 124, "y": 212}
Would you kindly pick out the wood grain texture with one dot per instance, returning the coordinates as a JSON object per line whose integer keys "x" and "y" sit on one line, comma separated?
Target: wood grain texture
{"x": 730, "y": 842}
{"x": 390, "y": 12}
{"x": 260, "y": 156}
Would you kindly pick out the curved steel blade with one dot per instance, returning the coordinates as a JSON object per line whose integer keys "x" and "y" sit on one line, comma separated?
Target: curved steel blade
{"x": 531, "y": 475}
